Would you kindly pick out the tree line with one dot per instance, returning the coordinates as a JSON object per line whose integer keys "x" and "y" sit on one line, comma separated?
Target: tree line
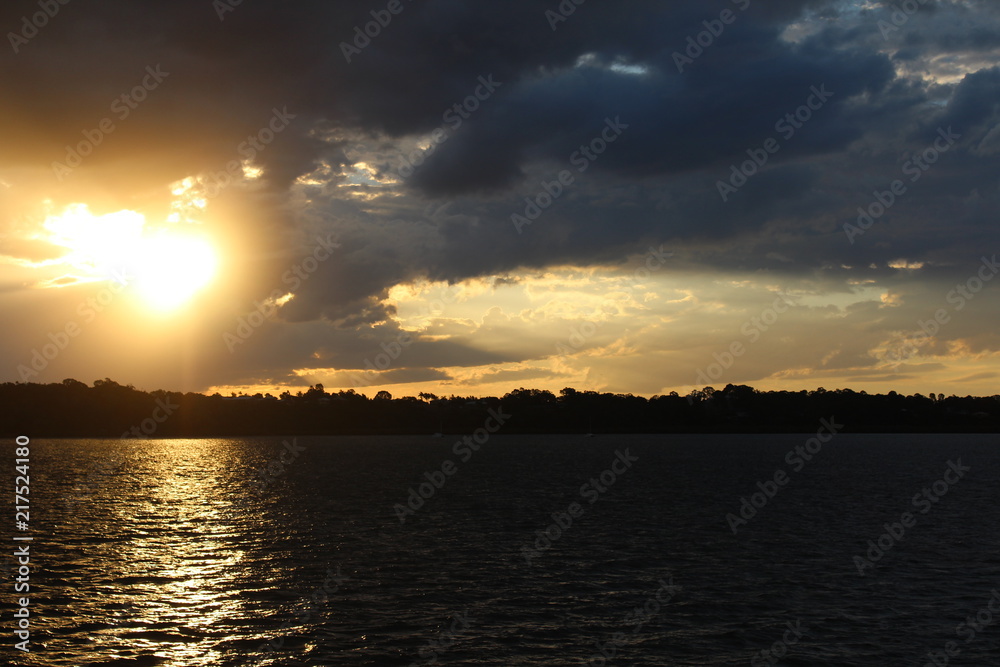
{"x": 108, "y": 409}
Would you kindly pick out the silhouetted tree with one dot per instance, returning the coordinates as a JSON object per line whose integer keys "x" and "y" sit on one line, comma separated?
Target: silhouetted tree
{"x": 72, "y": 409}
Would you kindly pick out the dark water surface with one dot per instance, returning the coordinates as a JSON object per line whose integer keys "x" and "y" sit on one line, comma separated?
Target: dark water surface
{"x": 171, "y": 557}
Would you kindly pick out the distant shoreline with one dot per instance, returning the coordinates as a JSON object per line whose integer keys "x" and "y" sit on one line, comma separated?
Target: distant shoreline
{"x": 71, "y": 409}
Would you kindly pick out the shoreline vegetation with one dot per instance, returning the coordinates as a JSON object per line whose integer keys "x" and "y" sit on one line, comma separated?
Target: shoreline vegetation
{"x": 71, "y": 409}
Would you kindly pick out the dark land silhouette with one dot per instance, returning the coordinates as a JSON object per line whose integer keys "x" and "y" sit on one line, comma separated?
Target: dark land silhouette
{"x": 108, "y": 409}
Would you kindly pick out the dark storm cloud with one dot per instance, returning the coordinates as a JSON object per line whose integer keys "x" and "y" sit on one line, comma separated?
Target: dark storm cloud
{"x": 226, "y": 75}
{"x": 722, "y": 103}
{"x": 657, "y": 183}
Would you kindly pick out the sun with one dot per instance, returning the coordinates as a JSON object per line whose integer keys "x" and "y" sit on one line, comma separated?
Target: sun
{"x": 172, "y": 268}
{"x": 162, "y": 266}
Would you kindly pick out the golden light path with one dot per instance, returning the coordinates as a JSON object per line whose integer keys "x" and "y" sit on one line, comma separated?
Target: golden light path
{"x": 182, "y": 568}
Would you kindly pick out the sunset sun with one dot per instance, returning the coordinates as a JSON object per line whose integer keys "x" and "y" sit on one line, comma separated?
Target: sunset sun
{"x": 164, "y": 267}
{"x": 172, "y": 269}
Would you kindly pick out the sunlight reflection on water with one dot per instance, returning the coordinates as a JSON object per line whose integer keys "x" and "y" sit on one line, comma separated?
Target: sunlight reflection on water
{"x": 162, "y": 578}
{"x": 172, "y": 556}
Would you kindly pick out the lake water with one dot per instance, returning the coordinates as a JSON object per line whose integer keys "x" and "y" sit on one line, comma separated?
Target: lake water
{"x": 169, "y": 552}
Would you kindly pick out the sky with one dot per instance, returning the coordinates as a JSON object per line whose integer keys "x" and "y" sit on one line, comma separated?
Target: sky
{"x": 470, "y": 197}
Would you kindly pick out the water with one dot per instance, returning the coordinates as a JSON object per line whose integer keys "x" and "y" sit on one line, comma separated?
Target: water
{"x": 174, "y": 556}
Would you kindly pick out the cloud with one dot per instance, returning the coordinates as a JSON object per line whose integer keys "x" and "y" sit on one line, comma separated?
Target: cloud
{"x": 340, "y": 165}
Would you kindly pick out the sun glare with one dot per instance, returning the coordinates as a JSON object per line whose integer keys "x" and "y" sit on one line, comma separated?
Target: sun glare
{"x": 164, "y": 266}
{"x": 172, "y": 269}
{"x": 95, "y": 244}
